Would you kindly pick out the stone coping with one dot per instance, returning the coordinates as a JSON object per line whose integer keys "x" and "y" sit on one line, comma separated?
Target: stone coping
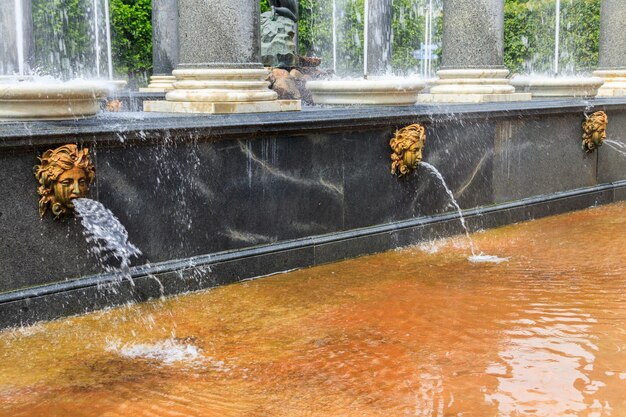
{"x": 143, "y": 127}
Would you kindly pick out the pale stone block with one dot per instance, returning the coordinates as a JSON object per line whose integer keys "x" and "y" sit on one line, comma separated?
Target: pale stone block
{"x": 553, "y": 87}
{"x": 54, "y": 101}
{"x": 159, "y": 84}
{"x": 384, "y": 91}
{"x": 614, "y": 83}
{"x": 222, "y": 107}
{"x": 473, "y": 98}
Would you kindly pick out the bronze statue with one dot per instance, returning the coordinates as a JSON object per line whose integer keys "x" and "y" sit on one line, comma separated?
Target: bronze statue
{"x": 285, "y": 8}
{"x": 594, "y": 130}
{"x": 407, "y": 145}
{"x": 64, "y": 174}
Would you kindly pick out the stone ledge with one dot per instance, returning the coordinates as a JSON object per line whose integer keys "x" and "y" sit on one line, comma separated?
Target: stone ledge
{"x": 91, "y": 293}
{"x": 222, "y": 107}
{"x": 154, "y": 90}
{"x": 473, "y": 98}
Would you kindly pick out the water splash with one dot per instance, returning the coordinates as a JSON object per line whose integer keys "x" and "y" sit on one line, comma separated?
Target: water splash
{"x": 482, "y": 258}
{"x": 167, "y": 352}
{"x": 107, "y": 235}
{"x": 475, "y": 257}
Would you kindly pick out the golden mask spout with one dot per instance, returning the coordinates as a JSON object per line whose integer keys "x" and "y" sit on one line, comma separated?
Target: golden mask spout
{"x": 64, "y": 173}
{"x": 594, "y": 131}
{"x": 407, "y": 146}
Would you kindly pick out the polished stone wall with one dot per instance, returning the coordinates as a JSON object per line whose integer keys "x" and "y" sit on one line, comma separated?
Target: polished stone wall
{"x": 211, "y": 200}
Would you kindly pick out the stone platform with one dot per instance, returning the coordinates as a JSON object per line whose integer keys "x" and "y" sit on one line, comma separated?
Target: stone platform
{"x": 215, "y": 200}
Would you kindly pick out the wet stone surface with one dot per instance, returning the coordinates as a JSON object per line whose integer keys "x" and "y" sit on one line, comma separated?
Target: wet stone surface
{"x": 418, "y": 331}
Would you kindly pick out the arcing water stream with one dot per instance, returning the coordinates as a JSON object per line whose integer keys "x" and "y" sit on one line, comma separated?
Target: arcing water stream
{"x": 475, "y": 257}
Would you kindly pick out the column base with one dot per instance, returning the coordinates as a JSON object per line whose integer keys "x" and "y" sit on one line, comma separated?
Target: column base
{"x": 159, "y": 84}
{"x": 472, "y": 86}
{"x": 472, "y": 98}
{"x": 558, "y": 87}
{"x": 221, "y": 91}
{"x": 222, "y": 107}
{"x": 614, "y": 83}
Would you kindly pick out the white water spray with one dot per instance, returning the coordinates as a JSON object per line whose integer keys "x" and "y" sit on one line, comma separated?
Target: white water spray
{"x": 107, "y": 235}
{"x": 366, "y": 29}
{"x": 19, "y": 32}
{"x": 557, "y": 35}
{"x": 335, "y": 36}
{"x": 96, "y": 37}
{"x": 107, "y": 22}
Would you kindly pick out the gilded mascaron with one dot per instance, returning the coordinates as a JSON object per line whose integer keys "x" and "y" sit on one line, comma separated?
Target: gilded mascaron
{"x": 594, "y": 130}
{"x": 407, "y": 146}
{"x": 64, "y": 173}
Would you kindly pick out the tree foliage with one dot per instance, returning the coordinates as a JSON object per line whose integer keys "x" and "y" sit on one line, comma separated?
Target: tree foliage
{"x": 61, "y": 31}
{"x": 131, "y": 21}
{"x": 528, "y": 34}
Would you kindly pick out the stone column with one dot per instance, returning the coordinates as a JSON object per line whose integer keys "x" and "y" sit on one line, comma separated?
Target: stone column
{"x": 219, "y": 68}
{"x": 379, "y": 37}
{"x": 9, "y": 55}
{"x": 164, "y": 45}
{"x": 612, "y": 66}
{"x": 473, "y": 55}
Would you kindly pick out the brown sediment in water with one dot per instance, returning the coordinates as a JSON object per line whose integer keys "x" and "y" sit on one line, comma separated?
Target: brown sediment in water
{"x": 419, "y": 332}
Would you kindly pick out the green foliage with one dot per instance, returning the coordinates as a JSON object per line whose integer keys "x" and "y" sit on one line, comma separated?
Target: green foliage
{"x": 529, "y": 35}
{"x": 529, "y": 27}
{"x": 315, "y": 33}
{"x": 60, "y": 25}
{"x": 407, "y": 33}
{"x": 581, "y": 28}
{"x": 131, "y": 22}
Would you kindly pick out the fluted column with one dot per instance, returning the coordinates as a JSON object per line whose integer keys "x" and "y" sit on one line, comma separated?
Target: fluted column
{"x": 473, "y": 54}
{"x": 164, "y": 45}
{"x": 612, "y": 67}
{"x": 219, "y": 68}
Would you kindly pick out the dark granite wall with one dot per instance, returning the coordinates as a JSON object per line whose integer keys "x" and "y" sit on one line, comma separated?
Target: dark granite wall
{"x": 195, "y": 186}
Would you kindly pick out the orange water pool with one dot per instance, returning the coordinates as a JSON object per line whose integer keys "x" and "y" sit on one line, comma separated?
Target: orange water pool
{"x": 413, "y": 332}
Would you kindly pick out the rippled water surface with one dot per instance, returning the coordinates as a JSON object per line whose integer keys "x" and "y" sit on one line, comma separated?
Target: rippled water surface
{"x": 414, "y": 332}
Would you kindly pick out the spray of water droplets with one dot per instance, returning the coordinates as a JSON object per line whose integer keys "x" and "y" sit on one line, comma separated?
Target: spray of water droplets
{"x": 107, "y": 236}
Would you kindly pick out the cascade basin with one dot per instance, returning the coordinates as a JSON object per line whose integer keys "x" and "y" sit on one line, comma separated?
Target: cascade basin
{"x": 419, "y": 331}
{"x": 396, "y": 91}
{"x": 540, "y": 86}
{"x": 51, "y": 100}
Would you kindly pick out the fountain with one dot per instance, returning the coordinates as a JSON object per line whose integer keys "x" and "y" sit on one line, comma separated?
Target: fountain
{"x": 26, "y": 96}
{"x": 558, "y": 85}
{"x": 376, "y": 86}
{"x": 220, "y": 199}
